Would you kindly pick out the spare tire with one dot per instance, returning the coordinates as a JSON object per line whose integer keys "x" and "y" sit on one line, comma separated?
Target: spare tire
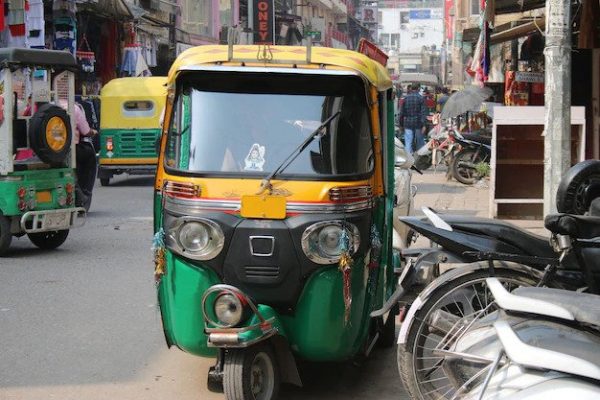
{"x": 578, "y": 187}
{"x": 50, "y": 134}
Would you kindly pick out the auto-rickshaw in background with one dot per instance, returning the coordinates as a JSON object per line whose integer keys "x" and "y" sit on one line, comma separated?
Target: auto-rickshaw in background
{"x": 130, "y": 124}
{"x": 37, "y": 153}
{"x": 273, "y": 211}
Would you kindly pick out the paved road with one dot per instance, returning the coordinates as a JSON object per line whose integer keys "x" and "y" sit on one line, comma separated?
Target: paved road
{"x": 81, "y": 322}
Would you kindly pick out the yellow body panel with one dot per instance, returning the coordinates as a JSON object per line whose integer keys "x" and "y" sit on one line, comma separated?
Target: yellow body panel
{"x": 321, "y": 57}
{"x": 119, "y": 161}
{"x": 118, "y": 91}
{"x": 282, "y": 56}
{"x": 235, "y": 188}
{"x": 263, "y": 206}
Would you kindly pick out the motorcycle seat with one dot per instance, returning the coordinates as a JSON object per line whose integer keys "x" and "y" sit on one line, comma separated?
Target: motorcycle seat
{"x": 529, "y": 243}
{"x": 585, "y": 307}
{"x": 477, "y": 138}
{"x": 576, "y": 226}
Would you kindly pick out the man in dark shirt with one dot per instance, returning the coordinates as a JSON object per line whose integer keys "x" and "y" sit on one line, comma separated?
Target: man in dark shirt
{"x": 412, "y": 117}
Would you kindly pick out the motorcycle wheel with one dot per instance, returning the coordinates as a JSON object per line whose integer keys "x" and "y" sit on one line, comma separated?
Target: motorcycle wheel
{"x": 578, "y": 188}
{"x": 5, "y": 234}
{"x": 466, "y": 174}
{"x": 48, "y": 240}
{"x": 251, "y": 374}
{"x": 422, "y": 372}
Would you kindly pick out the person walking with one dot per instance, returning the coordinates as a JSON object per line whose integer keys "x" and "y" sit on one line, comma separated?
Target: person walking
{"x": 412, "y": 118}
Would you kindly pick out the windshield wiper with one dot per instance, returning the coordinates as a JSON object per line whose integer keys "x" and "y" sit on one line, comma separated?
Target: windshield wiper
{"x": 266, "y": 183}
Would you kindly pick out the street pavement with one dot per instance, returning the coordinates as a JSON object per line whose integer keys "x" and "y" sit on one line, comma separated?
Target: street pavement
{"x": 81, "y": 322}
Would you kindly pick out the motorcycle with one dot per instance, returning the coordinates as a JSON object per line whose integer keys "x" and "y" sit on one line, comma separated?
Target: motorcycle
{"x": 543, "y": 344}
{"x": 490, "y": 247}
{"x": 475, "y": 149}
{"x": 503, "y": 347}
{"x": 439, "y": 149}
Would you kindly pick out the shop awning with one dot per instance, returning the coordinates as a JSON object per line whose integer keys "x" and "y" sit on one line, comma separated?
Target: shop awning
{"x": 508, "y": 31}
{"x": 108, "y": 8}
{"x": 513, "y": 6}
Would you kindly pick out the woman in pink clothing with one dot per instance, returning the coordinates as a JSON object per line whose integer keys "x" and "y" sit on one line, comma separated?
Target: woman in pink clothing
{"x": 85, "y": 155}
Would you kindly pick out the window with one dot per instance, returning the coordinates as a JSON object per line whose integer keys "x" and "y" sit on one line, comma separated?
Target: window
{"x": 474, "y": 7}
{"x": 274, "y": 116}
{"x": 138, "y": 108}
{"x": 197, "y": 17}
{"x": 395, "y": 39}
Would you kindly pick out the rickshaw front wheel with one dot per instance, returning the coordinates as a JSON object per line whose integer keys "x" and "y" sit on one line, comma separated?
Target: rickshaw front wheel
{"x": 49, "y": 240}
{"x": 5, "y": 235}
{"x": 251, "y": 373}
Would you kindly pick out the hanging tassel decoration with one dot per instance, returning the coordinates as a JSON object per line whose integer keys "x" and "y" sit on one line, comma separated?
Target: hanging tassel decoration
{"x": 345, "y": 266}
{"x": 158, "y": 248}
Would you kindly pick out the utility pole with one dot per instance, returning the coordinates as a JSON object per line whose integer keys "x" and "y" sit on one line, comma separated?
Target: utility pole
{"x": 557, "y": 129}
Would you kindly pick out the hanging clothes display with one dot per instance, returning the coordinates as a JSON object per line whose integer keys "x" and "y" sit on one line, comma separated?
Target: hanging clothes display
{"x": 148, "y": 47}
{"x": 16, "y": 17}
{"x": 2, "y": 15}
{"x": 35, "y": 24}
{"x": 65, "y": 25}
{"x": 479, "y": 68}
{"x": 134, "y": 64}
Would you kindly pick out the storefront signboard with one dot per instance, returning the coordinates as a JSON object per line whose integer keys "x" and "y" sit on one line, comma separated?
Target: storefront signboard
{"x": 530, "y": 77}
{"x": 264, "y": 22}
{"x": 420, "y": 14}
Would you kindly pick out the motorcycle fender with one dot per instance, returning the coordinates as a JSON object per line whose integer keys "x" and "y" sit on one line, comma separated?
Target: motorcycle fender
{"x": 447, "y": 277}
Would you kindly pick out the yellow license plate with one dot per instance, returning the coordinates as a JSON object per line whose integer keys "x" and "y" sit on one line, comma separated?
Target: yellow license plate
{"x": 263, "y": 206}
{"x": 43, "y": 197}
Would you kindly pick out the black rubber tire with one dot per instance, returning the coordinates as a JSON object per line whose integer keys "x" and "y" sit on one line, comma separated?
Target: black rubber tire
{"x": 387, "y": 336}
{"x": 406, "y": 355}
{"x": 37, "y": 134}
{"x": 48, "y": 240}
{"x": 237, "y": 371}
{"x": 578, "y": 187}
{"x": 104, "y": 181}
{"x": 422, "y": 163}
{"x": 5, "y": 235}
{"x": 464, "y": 155}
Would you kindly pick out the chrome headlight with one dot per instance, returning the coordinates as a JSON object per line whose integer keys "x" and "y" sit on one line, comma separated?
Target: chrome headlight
{"x": 322, "y": 242}
{"x": 197, "y": 238}
{"x": 228, "y": 309}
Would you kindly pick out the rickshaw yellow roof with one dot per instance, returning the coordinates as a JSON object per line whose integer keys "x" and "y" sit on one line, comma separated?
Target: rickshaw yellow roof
{"x": 129, "y": 87}
{"x": 330, "y": 57}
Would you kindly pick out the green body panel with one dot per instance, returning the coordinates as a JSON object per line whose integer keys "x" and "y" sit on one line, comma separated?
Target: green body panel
{"x": 129, "y": 143}
{"x": 317, "y": 331}
{"x": 267, "y": 312}
{"x": 34, "y": 182}
{"x": 314, "y": 332}
{"x": 157, "y": 211}
{"x": 180, "y": 294}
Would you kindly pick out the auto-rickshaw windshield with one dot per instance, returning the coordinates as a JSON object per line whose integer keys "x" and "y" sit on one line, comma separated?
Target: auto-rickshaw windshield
{"x": 246, "y": 124}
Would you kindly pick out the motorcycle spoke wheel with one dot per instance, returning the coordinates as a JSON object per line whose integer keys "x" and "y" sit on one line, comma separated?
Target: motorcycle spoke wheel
{"x": 425, "y": 373}
{"x": 463, "y": 169}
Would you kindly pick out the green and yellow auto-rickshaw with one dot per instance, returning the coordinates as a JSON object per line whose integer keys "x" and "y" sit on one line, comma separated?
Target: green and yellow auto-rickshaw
{"x": 273, "y": 211}
{"x": 37, "y": 153}
{"x": 130, "y": 124}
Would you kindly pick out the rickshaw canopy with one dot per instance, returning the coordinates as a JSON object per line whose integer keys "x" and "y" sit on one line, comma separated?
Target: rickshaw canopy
{"x": 129, "y": 103}
{"x": 281, "y": 56}
{"x": 17, "y": 58}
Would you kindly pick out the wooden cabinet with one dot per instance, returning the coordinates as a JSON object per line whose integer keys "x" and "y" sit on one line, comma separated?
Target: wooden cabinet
{"x": 517, "y": 176}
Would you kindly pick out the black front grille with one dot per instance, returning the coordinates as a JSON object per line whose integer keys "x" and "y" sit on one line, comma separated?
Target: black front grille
{"x": 258, "y": 271}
